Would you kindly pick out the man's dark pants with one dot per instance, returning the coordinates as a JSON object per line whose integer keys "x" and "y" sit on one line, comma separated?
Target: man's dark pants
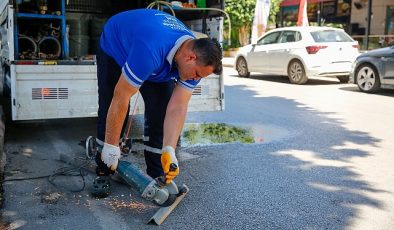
{"x": 156, "y": 97}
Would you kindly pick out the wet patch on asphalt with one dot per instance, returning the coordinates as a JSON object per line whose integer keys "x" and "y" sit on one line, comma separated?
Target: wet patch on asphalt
{"x": 220, "y": 133}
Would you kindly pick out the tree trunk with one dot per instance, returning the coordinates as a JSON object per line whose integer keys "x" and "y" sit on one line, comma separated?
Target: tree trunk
{"x": 244, "y": 34}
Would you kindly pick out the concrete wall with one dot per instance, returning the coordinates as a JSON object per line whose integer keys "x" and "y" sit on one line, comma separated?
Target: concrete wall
{"x": 379, "y": 10}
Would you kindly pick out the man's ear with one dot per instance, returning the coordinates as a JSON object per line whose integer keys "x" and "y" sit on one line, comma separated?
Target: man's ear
{"x": 191, "y": 56}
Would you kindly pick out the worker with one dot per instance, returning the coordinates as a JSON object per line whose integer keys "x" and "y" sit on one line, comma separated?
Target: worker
{"x": 154, "y": 53}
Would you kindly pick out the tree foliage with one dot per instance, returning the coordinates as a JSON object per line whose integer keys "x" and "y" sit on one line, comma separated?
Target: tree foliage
{"x": 241, "y": 14}
{"x": 274, "y": 11}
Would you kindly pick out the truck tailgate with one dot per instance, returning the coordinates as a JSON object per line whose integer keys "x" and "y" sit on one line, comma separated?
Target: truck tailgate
{"x": 68, "y": 91}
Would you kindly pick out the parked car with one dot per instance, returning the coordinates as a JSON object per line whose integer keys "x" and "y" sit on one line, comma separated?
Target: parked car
{"x": 300, "y": 53}
{"x": 374, "y": 70}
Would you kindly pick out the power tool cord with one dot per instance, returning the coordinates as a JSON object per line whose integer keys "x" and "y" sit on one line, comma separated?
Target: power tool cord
{"x": 70, "y": 171}
{"x": 79, "y": 170}
{"x": 130, "y": 118}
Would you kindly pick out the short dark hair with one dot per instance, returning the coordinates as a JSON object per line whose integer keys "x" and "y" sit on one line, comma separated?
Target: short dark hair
{"x": 209, "y": 53}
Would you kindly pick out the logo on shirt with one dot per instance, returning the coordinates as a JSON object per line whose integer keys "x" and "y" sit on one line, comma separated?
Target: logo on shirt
{"x": 173, "y": 23}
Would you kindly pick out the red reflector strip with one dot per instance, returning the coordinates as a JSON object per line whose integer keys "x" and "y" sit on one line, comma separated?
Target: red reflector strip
{"x": 26, "y": 63}
{"x": 36, "y": 62}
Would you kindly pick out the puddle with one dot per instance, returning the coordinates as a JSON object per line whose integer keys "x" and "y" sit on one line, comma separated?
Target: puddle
{"x": 218, "y": 133}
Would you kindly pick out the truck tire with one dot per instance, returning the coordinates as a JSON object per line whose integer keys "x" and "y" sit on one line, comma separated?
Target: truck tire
{"x": 2, "y": 77}
{"x": 2, "y": 158}
{"x": 2, "y": 134}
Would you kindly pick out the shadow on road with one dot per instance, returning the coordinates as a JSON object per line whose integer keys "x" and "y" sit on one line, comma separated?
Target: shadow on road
{"x": 33, "y": 150}
{"x": 285, "y": 79}
{"x": 302, "y": 182}
{"x": 382, "y": 92}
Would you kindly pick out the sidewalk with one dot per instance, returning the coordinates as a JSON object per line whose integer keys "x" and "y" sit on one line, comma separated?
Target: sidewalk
{"x": 228, "y": 61}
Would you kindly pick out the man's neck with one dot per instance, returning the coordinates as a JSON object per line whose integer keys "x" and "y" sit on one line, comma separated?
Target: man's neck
{"x": 182, "y": 50}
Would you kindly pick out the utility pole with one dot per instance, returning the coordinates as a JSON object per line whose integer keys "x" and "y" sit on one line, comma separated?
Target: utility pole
{"x": 319, "y": 12}
{"x": 368, "y": 30}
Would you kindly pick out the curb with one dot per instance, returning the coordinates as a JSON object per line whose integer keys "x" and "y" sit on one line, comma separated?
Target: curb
{"x": 228, "y": 61}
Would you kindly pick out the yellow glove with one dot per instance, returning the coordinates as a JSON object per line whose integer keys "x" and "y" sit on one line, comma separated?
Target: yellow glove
{"x": 169, "y": 163}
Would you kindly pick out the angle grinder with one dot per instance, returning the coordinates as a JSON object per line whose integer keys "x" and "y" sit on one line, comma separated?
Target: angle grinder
{"x": 155, "y": 190}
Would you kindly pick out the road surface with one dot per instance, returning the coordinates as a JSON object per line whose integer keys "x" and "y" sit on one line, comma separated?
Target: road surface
{"x": 323, "y": 160}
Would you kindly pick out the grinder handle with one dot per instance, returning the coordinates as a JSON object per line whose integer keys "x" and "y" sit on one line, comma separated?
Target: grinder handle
{"x": 173, "y": 167}
{"x": 162, "y": 179}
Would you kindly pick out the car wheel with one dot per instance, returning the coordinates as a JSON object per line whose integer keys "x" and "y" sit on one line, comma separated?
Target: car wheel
{"x": 242, "y": 67}
{"x": 367, "y": 79}
{"x": 296, "y": 73}
{"x": 343, "y": 79}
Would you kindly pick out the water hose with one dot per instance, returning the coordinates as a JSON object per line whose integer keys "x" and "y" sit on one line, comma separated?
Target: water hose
{"x": 158, "y": 3}
{"x": 27, "y": 47}
{"x": 49, "y": 48}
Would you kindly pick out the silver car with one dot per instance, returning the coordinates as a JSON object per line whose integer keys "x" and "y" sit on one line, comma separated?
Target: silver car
{"x": 300, "y": 53}
{"x": 374, "y": 70}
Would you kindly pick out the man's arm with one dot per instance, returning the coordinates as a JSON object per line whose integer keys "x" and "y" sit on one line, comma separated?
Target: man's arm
{"x": 175, "y": 116}
{"x": 118, "y": 109}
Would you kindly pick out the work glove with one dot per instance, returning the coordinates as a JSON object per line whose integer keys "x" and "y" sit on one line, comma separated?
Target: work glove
{"x": 110, "y": 156}
{"x": 169, "y": 163}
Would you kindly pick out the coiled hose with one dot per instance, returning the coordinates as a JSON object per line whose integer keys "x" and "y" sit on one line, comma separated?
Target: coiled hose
{"x": 158, "y": 3}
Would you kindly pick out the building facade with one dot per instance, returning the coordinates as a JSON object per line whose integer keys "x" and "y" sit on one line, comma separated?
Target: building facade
{"x": 352, "y": 14}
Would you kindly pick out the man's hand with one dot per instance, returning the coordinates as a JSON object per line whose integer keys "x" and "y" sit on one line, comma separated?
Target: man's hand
{"x": 110, "y": 156}
{"x": 167, "y": 158}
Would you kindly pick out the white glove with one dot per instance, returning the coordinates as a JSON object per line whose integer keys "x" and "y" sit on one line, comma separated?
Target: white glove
{"x": 110, "y": 156}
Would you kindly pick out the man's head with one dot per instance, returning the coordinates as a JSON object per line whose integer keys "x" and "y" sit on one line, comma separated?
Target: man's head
{"x": 199, "y": 58}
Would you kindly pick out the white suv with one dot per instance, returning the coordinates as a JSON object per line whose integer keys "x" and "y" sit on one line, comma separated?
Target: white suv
{"x": 300, "y": 53}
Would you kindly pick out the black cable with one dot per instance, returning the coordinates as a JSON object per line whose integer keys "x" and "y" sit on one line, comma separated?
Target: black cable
{"x": 79, "y": 170}
{"x": 70, "y": 171}
{"x": 25, "y": 178}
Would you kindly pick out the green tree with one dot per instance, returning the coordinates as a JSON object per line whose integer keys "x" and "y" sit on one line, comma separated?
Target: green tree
{"x": 274, "y": 11}
{"x": 241, "y": 14}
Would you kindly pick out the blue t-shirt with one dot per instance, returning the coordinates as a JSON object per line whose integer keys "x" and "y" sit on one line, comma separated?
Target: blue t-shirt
{"x": 144, "y": 42}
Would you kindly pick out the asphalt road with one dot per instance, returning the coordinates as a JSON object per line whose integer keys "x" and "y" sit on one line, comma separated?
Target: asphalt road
{"x": 324, "y": 161}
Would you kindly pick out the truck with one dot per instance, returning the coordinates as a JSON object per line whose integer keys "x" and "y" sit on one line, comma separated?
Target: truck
{"x": 48, "y": 47}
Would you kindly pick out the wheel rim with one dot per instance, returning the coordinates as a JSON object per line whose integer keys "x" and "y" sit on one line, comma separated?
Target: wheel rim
{"x": 296, "y": 71}
{"x": 366, "y": 78}
{"x": 242, "y": 68}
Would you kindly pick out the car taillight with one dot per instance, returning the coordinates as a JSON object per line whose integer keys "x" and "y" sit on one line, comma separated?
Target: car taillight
{"x": 356, "y": 46}
{"x": 314, "y": 49}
